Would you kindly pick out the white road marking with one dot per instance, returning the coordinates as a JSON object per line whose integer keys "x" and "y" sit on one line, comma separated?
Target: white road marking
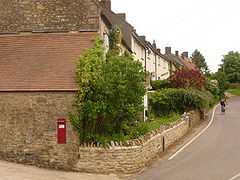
{"x": 190, "y": 142}
{"x": 235, "y": 177}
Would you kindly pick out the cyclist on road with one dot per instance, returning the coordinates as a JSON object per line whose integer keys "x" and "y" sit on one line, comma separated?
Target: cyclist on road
{"x": 223, "y": 105}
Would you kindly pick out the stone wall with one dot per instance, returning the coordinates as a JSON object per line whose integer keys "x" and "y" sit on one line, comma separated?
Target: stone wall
{"x": 48, "y": 15}
{"x": 28, "y": 129}
{"x": 28, "y": 135}
{"x": 133, "y": 156}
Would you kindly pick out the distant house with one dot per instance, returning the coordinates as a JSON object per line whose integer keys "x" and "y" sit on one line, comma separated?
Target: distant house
{"x": 111, "y": 19}
{"x": 175, "y": 61}
{"x": 187, "y": 62}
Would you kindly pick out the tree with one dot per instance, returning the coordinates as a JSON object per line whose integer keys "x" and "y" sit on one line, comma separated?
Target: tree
{"x": 187, "y": 79}
{"x": 200, "y": 62}
{"x": 231, "y": 66}
{"x": 110, "y": 93}
{"x": 222, "y": 83}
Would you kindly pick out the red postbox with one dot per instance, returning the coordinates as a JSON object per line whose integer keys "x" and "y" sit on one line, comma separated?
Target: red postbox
{"x": 61, "y": 131}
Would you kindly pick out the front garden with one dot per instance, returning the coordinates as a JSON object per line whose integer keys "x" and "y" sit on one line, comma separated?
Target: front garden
{"x": 109, "y": 103}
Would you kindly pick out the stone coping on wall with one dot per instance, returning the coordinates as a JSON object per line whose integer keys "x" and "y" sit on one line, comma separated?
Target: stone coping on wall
{"x": 134, "y": 155}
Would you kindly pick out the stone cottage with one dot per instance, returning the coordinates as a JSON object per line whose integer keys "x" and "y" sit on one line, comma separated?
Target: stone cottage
{"x": 40, "y": 42}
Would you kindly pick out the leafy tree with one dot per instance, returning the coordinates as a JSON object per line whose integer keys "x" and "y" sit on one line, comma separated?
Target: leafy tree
{"x": 110, "y": 94}
{"x": 222, "y": 82}
{"x": 187, "y": 79}
{"x": 231, "y": 66}
{"x": 115, "y": 39}
{"x": 200, "y": 62}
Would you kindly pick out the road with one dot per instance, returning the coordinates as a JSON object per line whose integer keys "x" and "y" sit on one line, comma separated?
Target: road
{"x": 215, "y": 155}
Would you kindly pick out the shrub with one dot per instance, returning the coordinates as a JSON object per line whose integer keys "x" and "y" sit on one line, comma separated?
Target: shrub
{"x": 212, "y": 86}
{"x": 178, "y": 100}
{"x": 234, "y": 85}
{"x": 110, "y": 94}
{"x": 160, "y": 84}
{"x": 187, "y": 79}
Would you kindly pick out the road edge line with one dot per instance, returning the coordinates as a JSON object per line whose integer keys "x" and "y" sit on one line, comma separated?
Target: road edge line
{"x": 197, "y": 136}
{"x": 234, "y": 177}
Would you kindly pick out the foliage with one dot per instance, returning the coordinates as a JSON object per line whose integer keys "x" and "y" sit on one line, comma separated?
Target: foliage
{"x": 187, "y": 79}
{"x": 139, "y": 129}
{"x": 200, "y": 62}
{"x": 212, "y": 86}
{"x": 234, "y": 85}
{"x": 178, "y": 100}
{"x": 222, "y": 83}
{"x": 115, "y": 38}
{"x": 160, "y": 84}
{"x": 110, "y": 93}
{"x": 231, "y": 66}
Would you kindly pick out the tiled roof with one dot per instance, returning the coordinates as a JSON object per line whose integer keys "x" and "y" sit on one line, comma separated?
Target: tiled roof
{"x": 187, "y": 63}
{"x": 41, "y": 61}
{"x": 126, "y": 28}
{"x": 174, "y": 59}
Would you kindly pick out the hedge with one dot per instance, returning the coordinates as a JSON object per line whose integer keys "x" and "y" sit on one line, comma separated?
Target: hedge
{"x": 179, "y": 100}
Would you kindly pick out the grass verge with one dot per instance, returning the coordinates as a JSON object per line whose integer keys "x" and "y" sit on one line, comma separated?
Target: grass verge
{"x": 235, "y": 92}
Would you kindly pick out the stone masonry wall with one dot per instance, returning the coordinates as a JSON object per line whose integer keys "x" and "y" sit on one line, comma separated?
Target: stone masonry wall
{"x": 28, "y": 129}
{"x": 28, "y": 135}
{"x": 48, "y": 15}
{"x": 134, "y": 155}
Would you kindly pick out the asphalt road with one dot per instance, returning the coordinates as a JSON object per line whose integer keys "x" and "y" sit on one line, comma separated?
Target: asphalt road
{"x": 215, "y": 155}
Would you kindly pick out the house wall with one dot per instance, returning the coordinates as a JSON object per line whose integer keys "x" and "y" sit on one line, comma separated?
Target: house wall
{"x": 104, "y": 33}
{"x": 48, "y": 15}
{"x": 151, "y": 65}
{"x": 28, "y": 129}
{"x": 163, "y": 69}
{"x": 138, "y": 51}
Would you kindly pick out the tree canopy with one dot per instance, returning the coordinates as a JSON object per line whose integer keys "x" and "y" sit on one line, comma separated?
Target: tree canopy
{"x": 231, "y": 66}
{"x": 200, "y": 62}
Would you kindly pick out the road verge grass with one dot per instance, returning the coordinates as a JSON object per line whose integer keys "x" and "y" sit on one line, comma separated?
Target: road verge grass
{"x": 235, "y": 91}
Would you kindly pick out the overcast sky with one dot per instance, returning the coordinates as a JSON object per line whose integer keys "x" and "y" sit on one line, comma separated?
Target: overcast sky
{"x": 212, "y": 26}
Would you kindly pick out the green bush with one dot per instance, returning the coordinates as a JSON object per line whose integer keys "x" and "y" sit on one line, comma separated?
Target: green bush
{"x": 178, "y": 100}
{"x": 110, "y": 94}
{"x": 139, "y": 129}
{"x": 160, "y": 84}
{"x": 234, "y": 85}
{"x": 212, "y": 86}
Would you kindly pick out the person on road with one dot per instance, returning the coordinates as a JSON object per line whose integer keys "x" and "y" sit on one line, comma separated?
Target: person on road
{"x": 223, "y": 105}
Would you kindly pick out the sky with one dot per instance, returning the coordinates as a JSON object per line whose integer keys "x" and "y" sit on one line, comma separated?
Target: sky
{"x": 211, "y": 26}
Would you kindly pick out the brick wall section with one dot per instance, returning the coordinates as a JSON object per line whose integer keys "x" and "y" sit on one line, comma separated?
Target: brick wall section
{"x": 41, "y": 61}
{"x": 28, "y": 129}
{"x": 48, "y": 15}
{"x": 137, "y": 155}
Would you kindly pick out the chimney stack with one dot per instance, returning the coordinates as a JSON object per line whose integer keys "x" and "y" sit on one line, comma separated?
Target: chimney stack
{"x": 177, "y": 53}
{"x": 154, "y": 44}
{"x": 185, "y": 54}
{"x": 122, "y": 16}
{"x": 106, "y": 4}
{"x": 168, "y": 50}
{"x": 143, "y": 38}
